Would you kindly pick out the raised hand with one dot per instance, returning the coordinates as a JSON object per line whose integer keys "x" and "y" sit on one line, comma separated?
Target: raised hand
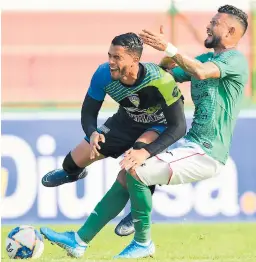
{"x": 156, "y": 40}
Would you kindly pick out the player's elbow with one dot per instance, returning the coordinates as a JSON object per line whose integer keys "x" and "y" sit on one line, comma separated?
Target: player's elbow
{"x": 181, "y": 128}
{"x": 199, "y": 74}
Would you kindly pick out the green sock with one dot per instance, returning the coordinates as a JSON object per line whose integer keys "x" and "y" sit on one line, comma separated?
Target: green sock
{"x": 108, "y": 208}
{"x": 141, "y": 206}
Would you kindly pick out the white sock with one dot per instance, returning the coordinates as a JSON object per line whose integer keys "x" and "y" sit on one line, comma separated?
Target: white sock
{"x": 79, "y": 240}
{"x": 143, "y": 244}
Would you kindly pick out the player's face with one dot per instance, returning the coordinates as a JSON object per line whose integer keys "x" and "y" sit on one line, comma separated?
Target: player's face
{"x": 216, "y": 31}
{"x": 120, "y": 61}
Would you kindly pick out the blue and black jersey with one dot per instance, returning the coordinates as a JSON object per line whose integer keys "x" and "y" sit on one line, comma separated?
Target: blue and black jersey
{"x": 153, "y": 99}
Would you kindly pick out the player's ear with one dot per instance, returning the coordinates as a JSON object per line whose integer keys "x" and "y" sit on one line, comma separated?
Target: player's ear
{"x": 232, "y": 30}
{"x": 136, "y": 59}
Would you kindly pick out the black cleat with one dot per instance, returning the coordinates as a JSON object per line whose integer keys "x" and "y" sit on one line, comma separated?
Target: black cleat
{"x": 125, "y": 227}
{"x": 59, "y": 177}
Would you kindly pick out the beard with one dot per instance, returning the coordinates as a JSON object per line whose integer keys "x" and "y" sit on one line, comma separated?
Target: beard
{"x": 213, "y": 43}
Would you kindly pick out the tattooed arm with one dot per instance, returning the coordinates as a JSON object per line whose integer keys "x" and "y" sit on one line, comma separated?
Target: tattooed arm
{"x": 192, "y": 66}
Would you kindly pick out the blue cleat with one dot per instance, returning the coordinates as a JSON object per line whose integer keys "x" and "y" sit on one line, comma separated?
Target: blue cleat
{"x": 125, "y": 226}
{"x": 134, "y": 250}
{"x": 64, "y": 240}
{"x": 59, "y": 177}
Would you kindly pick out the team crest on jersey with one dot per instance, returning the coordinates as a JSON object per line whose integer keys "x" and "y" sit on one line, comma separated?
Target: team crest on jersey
{"x": 135, "y": 100}
{"x": 175, "y": 91}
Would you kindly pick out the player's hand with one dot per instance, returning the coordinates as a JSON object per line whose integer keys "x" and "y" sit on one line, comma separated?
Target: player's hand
{"x": 156, "y": 40}
{"x": 94, "y": 143}
{"x": 134, "y": 158}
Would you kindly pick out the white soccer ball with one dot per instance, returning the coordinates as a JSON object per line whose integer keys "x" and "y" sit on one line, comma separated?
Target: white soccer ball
{"x": 24, "y": 242}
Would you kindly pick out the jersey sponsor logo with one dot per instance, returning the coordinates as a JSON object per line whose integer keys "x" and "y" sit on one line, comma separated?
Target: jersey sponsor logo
{"x": 147, "y": 118}
{"x": 175, "y": 91}
{"x": 134, "y": 99}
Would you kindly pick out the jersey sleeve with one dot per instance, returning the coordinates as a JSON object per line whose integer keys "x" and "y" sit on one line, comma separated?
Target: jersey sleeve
{"x": 232, "y": 64}
{"x": 100, "y": 79}
{"x": 180, "y": 75}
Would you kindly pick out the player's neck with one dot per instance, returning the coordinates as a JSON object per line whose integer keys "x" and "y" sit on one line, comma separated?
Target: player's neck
{"x": 223, "y": 48}
{"x": 132, "y": 77}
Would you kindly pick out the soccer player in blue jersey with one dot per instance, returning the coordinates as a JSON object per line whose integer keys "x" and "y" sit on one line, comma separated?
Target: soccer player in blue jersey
{"x": 149, "y": 119}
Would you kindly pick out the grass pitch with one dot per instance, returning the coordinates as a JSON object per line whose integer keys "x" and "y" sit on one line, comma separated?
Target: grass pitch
{"x": 174, "y": 243}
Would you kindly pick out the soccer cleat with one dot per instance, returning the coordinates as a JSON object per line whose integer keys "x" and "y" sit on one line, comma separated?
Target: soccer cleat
{"x": 125, "y": 226}
{"x": 59, "y": 177}
{"x": 135, "y": 250}
{"x": 64, "y": 240}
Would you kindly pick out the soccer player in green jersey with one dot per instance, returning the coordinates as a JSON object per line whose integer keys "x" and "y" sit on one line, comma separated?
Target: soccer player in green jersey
{"x": 217, "y": 84}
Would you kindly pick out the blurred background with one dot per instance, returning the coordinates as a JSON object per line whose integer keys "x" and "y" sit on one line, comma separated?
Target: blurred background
{"x": 49, "y": 52}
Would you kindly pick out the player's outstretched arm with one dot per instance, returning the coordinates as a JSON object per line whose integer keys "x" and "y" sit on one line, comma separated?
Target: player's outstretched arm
{"x": 192, "y": 66}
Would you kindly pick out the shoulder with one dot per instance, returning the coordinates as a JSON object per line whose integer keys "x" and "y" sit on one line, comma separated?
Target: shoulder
{"x": 103, "y": 69}
{"x": 204, "y": 57}
{"x": 151, "y": 68}
{"x": 231, "y": 55}
{"x": 102, "y": 74}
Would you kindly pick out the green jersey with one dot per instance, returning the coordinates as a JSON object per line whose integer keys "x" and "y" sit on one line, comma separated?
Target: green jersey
{"x": 217, "y": 102}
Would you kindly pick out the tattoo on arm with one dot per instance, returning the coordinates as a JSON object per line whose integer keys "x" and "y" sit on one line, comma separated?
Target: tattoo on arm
{"x": 192, "y": 66}
{"x": 196, "y": 68}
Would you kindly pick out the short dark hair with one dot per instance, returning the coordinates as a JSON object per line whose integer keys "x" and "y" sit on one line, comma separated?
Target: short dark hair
{"x": 130, "y": 41}
{"x": 240, "y": 15}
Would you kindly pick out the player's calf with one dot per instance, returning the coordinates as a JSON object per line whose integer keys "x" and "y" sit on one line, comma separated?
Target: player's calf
{"x": 126, "y": 226}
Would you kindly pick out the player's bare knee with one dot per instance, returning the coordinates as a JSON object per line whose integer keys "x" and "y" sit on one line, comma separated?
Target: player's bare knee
{"x": 133, "y": 173}
{"x": 81, "y": 154}
{"x": 121, "y": 178}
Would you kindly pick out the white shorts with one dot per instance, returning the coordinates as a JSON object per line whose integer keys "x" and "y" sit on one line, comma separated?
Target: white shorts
{"x": 185, "y": 164}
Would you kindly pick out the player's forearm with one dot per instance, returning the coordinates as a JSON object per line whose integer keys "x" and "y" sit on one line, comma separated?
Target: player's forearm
{"x": 167, "y": 138}
{"x": 89, "y": 115}
{"x": 175, "y": 130}
{"x": 192, "y": 66}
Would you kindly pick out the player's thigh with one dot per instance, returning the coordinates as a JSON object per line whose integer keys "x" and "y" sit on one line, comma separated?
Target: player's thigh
{"x": 119, "y": 136}
{"x": 81, "y": 154}
{"x": 147, "y": 137}
{"x": 179, "y": 166}
{"x": 151, "y": 134}
{"x": 192, "y": 164}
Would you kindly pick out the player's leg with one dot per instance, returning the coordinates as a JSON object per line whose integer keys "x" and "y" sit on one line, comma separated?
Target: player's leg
{"x": 109, "y": 207}
{"x": 184, "y": 164}
{"x": 105, "y": 211}
{"x": 126, "y": 227}
{"x": 73, "y": 166}
{"x": 141, "y": 206}
{"x": 75, "y": 243}
{"x": 75, "y": 163}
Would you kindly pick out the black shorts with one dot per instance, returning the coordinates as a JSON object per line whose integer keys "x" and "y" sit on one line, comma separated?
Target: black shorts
{"x": 121, "y": 134}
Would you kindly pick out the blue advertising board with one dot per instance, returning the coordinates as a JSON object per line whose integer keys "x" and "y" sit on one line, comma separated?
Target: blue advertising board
{"x": 33, "y": 144}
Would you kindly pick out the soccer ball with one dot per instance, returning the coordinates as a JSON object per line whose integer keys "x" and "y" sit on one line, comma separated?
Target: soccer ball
{"x": 24, "y": 242}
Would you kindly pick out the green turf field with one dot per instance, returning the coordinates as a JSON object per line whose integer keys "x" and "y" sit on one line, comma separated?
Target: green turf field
{"x": 174, "y": 243}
